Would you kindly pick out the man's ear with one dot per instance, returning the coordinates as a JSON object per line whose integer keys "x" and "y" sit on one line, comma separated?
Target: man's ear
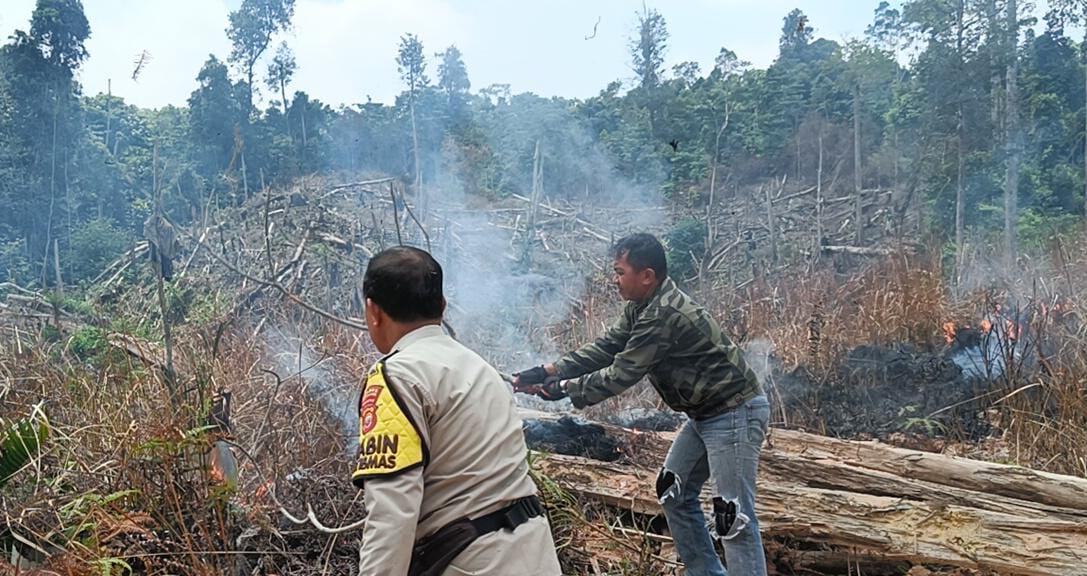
{"x": 444, "y": 304}
{"x": 374, "y": 313}
{"x": 649, "y": 276}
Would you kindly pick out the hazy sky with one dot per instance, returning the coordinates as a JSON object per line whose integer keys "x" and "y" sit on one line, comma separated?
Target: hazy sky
{"x": 346, "y": 49}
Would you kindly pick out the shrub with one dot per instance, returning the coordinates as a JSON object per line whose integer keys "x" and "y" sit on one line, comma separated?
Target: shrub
{"x": 94, "y": 246}
{"x": 685, "y": 241}
{"x": 88, "y": 342}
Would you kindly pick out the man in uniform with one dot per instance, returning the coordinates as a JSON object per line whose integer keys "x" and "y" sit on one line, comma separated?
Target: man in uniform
{"x": 696, "y": 369}
{"x": 442, "y": 457}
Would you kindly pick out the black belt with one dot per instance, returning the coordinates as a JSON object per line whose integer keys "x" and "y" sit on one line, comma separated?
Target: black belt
{"x": 433, "y": 554}
{"x": 510, "y": 517}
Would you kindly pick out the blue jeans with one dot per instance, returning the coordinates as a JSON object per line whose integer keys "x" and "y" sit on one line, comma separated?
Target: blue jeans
{"x": 726, "y": 447}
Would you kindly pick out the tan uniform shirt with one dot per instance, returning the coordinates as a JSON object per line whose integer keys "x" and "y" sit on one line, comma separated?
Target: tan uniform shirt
{"x": 475, "y": 463}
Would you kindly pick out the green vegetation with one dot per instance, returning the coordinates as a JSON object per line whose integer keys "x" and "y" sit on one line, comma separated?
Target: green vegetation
{"x": 938, "y": 130}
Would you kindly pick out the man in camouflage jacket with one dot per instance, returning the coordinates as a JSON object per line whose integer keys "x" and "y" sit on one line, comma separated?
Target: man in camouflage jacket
{"x": 667, "y": 337}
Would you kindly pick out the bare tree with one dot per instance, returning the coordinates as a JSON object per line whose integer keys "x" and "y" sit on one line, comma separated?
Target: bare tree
{"x": 1011, "y": 190}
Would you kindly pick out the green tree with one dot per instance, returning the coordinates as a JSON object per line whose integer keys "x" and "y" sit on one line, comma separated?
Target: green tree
{"x": 216, "y": 115}
{"x": 94, "y": 246}
{"x": 796, "y": 32}
{"x": 60, "y": 28}
{"x": 950, "y": 78}
{"x": 1075, "y": 12}
{"x": 1014, "y": 139}
{"x": 454, "y": 84}
{"x": 648, "y": 46}
{"x": 280, "y": 71}
{"x": 251, "y": 29}
{"x": 42, "y": 126}
{"x": 411, "y": 64}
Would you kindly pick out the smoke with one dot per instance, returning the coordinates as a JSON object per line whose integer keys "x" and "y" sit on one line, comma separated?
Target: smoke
{"x": 501, "y": 303}
{"x": 291, "y": 356}
{"x": 983, "y": 362}
{"x": 502, "y": 300}
{"x": 757, "y": 354}
{"x": 495, "y": 303}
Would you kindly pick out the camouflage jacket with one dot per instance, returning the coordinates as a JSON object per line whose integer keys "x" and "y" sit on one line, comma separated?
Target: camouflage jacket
{"x": 694, "y": 367}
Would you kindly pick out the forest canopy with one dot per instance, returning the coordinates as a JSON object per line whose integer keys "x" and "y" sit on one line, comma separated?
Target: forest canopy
{"x": 971, "y": 112}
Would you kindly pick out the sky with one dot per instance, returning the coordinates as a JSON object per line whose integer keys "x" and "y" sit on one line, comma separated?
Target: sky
{"x": 346, "y": 49}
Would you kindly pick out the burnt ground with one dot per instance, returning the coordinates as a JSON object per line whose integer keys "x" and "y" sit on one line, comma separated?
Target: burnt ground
{"x": 572, "y": 436}
{"x": 885, "y": 390}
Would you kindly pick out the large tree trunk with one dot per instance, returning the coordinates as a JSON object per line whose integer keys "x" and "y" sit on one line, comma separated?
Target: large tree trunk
{"x": 866, "y": 500}
{"x": 711, "y": 234}
{"x": 858, "y": 184}
{"x": 819, "y": 195}
{"x": 537, "y": 189}
{"x": 996, "y": 51}
{"x": 52, "y": 188}
{"x": 420, "y": 198}
{"x": 848, "y": 523}
{"x": 959, "y": 194}
{"x": 1011, "y": 191}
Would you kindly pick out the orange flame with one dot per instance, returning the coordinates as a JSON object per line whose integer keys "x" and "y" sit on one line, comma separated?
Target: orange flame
{"x": 949, "y": 332}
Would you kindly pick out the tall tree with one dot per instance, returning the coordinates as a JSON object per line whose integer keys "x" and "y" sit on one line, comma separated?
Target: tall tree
{"x": 60, "y": 28}
{"x": 280, "y": 71}
{"x": 1015, "y": 145}
{"x": 647, "y": 48}
{"x": 888, "y": 33}
{"x": 1075, "y": 12}
{"x": 45, "y": 125}
{"x": 454, "y": 84}
{"x": 216, "y": 113}
{"x": 251, "y": 29}
{"x": 411, "y": 64}
{"x": 796, "y": 32}
{"x": 946, "y": 77}
{"x": 452, "y": 73}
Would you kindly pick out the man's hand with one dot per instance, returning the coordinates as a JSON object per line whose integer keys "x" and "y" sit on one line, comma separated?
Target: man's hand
{"x": 531, "y": 377}
{"x": 541, "y": 382}
{"x": 552, "y": 389}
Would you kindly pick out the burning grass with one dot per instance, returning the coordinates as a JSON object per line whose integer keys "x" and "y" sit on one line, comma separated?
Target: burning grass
{"x": 127, "y": 483}
{"x": 1025, "y": 402}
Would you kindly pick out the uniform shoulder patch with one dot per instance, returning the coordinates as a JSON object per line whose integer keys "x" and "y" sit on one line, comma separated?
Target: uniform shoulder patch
{"x": 389, "y": 439}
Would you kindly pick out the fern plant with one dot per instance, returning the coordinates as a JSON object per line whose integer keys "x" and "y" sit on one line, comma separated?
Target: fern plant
{"x": 19, "y": 442}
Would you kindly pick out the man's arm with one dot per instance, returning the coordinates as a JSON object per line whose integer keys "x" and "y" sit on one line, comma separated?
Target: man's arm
{"x": 597, "y": 354}
{"x": 392, "y": 514}
{"x": 393, "y": 438}
{"x": 649, "y": 342}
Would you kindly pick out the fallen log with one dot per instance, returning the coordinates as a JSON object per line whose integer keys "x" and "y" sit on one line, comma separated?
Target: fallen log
{"x": 889, "y": 529}
{"x": 974, "y": 475}
{"x": 859, "y": 250}
{"x": 853, "y": 500}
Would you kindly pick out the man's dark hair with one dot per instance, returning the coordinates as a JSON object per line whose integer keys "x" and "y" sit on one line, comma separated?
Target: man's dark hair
{"x": 406, "y": 283}
{"x": 643, "y": 251}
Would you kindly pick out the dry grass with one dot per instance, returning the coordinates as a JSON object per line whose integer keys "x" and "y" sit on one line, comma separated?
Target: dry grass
{"x": 812, "y": 319}
{"x": 126, "y": 483}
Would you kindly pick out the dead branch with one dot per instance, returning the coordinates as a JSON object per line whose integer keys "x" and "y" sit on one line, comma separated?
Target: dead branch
{"x": 360, "y": 184}
{"x": 860, "y": 250}
{"x": 282, "y": 289}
